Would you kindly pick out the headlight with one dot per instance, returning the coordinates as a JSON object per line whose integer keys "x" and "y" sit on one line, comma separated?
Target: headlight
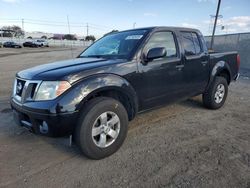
{"x": 49, "y": 90}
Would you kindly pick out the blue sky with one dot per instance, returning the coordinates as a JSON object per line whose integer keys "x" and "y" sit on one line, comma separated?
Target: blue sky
{"x": 105, "y": 15}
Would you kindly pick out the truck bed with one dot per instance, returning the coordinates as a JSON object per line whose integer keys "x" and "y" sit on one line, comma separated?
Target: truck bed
{"x": 230, "y": 58}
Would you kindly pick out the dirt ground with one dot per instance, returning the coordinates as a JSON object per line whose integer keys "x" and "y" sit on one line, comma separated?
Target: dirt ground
{"x": 180, "y": 145}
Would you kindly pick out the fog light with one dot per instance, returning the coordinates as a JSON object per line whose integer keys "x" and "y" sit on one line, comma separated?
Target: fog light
{"x": 44, "y": 128}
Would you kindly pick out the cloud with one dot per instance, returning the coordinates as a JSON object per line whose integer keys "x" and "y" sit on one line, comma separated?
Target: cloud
{"x": 150, "y": 14}
{"x": 189, "y": 25}
{"x": 236, "y": 24}
{"x": 239, "y": 23}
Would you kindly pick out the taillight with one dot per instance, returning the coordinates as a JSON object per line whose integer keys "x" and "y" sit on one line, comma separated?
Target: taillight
{"x": 238, "y": 61}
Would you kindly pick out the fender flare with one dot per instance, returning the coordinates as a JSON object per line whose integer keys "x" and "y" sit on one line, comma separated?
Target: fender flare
{"x": 74, "y": 99}
{"x": 219, "y": 67}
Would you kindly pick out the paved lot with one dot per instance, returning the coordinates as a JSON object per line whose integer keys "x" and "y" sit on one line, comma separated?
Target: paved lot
{"x": 14, "y": 60}
{"x": 181, "y": 145}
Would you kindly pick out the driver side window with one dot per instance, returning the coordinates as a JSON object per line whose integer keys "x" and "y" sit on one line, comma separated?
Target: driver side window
{"x": 162, "y": 39}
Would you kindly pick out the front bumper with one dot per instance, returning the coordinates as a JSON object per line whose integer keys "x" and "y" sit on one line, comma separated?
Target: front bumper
{"x": 41, "y": 122}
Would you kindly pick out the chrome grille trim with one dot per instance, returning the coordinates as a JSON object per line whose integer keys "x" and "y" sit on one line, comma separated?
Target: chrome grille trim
{"x": 24, "y": 95}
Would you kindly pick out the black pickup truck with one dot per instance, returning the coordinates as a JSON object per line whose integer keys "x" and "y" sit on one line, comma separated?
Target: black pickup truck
{"x": 94, "y": 96}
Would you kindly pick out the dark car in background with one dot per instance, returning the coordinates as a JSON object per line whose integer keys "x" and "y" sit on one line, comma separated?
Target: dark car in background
{"x": 30, "y": 44}
{"x": 11, "y": 45}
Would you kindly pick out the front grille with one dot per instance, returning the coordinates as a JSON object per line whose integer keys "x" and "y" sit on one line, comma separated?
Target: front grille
{"x": 25, "y": 90}
{"x": 19, "y": 87}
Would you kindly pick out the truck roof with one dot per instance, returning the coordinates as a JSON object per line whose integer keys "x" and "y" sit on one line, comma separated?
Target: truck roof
{"x": 164, "y": 28}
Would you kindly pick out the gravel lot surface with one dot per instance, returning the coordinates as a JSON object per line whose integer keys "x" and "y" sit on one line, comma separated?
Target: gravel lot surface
{"x": 180, "y": 145}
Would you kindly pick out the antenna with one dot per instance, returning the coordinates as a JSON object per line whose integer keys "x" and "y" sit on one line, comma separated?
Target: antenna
{"x": 69, "y": 33}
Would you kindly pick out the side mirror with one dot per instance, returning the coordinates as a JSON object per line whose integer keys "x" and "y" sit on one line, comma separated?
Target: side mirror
{"x": 155, "y": 53}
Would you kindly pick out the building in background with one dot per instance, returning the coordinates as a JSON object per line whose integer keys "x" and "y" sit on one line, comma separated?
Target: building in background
{"x": 38, "y": 34}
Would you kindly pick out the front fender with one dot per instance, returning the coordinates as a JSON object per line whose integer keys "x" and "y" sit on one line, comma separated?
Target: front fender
{"x": 73, "y": 99}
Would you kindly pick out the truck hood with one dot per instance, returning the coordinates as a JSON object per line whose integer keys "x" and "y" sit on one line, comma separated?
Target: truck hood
{"x": 68, "y": 69}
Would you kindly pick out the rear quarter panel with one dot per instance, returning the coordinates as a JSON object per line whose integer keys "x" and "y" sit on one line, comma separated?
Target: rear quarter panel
{"x": 226, "y": 60}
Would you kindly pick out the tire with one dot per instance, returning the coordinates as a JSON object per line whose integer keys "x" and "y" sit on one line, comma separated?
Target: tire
{"x": 216, "y": 95}
{"x": 91, "y": 117}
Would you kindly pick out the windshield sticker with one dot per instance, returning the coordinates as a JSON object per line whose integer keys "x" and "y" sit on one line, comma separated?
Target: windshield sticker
{"x": 134, "y": 37}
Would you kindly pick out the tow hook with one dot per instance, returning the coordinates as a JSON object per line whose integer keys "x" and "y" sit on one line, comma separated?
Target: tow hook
{"x": 44, "y": 128}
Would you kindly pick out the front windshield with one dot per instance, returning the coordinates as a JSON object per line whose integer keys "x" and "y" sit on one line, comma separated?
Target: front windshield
{"x": 117, "y": 45}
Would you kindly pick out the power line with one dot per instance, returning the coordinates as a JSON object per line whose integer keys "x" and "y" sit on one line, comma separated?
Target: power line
{"x": 212, "y": 19}
{"x": 63, "y": 24}
{"x": 57, "y": 23}
{"x": 48, "y": 24}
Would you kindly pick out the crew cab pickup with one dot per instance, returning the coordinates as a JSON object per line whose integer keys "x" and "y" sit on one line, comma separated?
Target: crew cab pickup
{"x": 95, "y": 95}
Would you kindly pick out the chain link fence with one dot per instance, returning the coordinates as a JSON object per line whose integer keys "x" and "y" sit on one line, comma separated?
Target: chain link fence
{"x": 57, "y": 43}
{"x": 234, "y": 42}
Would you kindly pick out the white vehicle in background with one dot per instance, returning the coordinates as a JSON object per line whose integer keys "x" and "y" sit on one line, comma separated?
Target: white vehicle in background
{"x": 41, "y": 42}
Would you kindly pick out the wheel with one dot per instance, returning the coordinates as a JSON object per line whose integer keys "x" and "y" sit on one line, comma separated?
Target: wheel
{"x": 216, "y": 95}
{"x": 102, "y": 127}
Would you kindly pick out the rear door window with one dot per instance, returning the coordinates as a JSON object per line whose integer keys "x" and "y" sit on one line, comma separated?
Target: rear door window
{"x": 191, "y": 43}
{"x": 196, "y": 43}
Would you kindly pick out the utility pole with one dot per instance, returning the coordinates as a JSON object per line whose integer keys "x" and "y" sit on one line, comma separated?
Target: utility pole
{"x": 134, "y": 25}
{"x": 87, "y": 26}
{"x": 1, "y": 35}
{"x": 23, "y": 24}
{"x": 69, "y": 33}
{"x": 68, "y": 23}
{"x": 215, "y": 23}
{"x": 212, "y": 18}
{"x": 23, "y": 27}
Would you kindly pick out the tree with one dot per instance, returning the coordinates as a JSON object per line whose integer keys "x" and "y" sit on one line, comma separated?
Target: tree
{"x": 113, "y": 31}
{"x": 69, "y": 37}
{"x": 44, "y": 37}
{"x": 16, "y": 30}
{"x": 90, "y": 38}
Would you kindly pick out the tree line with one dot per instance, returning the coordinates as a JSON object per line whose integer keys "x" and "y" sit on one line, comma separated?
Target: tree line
{"x": 16, "y": 31}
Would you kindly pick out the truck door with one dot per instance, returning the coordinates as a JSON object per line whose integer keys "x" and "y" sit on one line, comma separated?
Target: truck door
{"x": 195, "y": 60}
{"x": 161, "y": 80}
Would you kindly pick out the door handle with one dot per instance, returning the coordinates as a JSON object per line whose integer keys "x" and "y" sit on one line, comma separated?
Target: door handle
{"x": 179, "y": 67}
